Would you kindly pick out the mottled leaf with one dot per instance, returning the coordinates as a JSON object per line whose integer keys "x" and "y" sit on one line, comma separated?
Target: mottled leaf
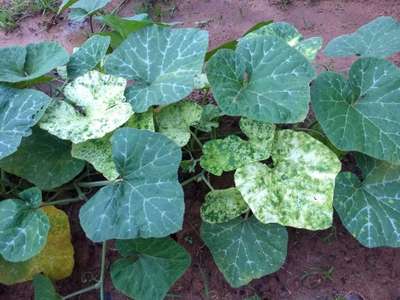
{"x": 245, "y": 249}
{"x": 44, "y": 160}
{"x": 26, "y": 63}
{"x": 209, "y": 117}
{"x": 287, "y": 32}
{"x": 370, "y": 208}
{"x": 298, "y": 190}
{"x": 361, "y": 114}
{"x": 232, "y": 152}
{"x": 143, "y": 121}
{"x": 148, "y": 200}
{"x": 163, "y": 63}
{"x": 174, "y": 120}
{"x": 378, "y": 38}
{"x": 23, "y": 228}
{"x": 56, "y": 260}
{"x": 149, "y": 267}
{"x": 88, "y": 56}
{"x": 94, "y": 106}
{"x": 44, "y": 288}
{"x": 19, "y": 111}
{"x": 264, "y": 79}
{"x": 223, "y": 205}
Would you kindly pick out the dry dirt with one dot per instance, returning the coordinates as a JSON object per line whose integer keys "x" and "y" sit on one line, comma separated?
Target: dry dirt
{"x": 320, "y": 265}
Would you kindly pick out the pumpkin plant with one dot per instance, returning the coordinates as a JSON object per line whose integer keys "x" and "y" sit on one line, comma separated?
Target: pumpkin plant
{"x": 115, "y": 127}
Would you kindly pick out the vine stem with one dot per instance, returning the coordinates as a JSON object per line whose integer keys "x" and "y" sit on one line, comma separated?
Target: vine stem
{"x": 207, "y": 182}
{"x": 93, "y": 183}
{"x": 63, "y": 201}
{"x": 91, "y": 23}
{"x": 191, "y": 179}
{"x": 99, "y": 284}
{"x": 197, "y": 140}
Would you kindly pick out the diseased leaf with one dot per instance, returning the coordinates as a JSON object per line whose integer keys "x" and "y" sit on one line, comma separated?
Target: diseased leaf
{"x": 361, "y": 114}
{"x": 378, "y": 38}
{"x": 287, "y": 32}
{"x": 56, "y": 260}
{"x": 264, "y": 79}
{"x": 298, "y": 190}
{"x": 44, "y": 288}
{"x": 370, "y": 209}
{"x": 23, "y": 227}
{"x": 232, "y": 152}
{"x": 94, "y": 106}
{"x": 98, "y": 153}
{"x": 26, "y": 63}
{"x": 143, "y": 121}
{"x": 223, "y": 205}
{"x": 148, "y": 200}
{"x": 174, "y": 120}
{"x": 44, "y": 160}
{"x": 163, "y": 63}
{"x": 245, "y": 249}
{"x": 208, "y": 119}
{"x": 84, "y": 8}
{"x": 19, "y": 111}
{"x": 149, "y": 267}
{"x": 88, "y": 56}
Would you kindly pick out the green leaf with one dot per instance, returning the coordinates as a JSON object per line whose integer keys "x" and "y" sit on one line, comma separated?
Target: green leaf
{"x": 174, "y": 120}
{"x": 65, "y": 4}
{"x": 148, "y": 200}
{"x": 298, "y": 190}
{"x": 44, "y": 160}
{"x": 379, "y": 38}
{"x": 23, "y": 228}
{"x": 264, "y": 79}
{"x": 163, "y": 63}
{"x": 56, "y": 260}
{"x": 288, "y": 33}
{"x": 124, "y": 26}
{"x": 370, "y": 209}
{"x": 360, "y": 114}
{"x": 232, "y": 152}
{"x": 98, "y": 153}
{"x": 149, "y": 267}
{"x": 95, "y": 105}
{"x": 209, "y": 117}
{"x": 88, "y": 56}
{"x": 19, "y": 111}
{"x": 223, "y": 205}
{"x": 245, "y": 249}
{"x": 26, "y": 63}
{"x": 44, "y": 288}
{"x": 83, "y": 8}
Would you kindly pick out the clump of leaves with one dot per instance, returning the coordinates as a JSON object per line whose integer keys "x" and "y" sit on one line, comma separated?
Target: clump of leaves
{"x": 122, "y": 112}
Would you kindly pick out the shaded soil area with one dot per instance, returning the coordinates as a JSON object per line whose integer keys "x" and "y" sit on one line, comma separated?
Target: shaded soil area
{"x": 324, "y": 265}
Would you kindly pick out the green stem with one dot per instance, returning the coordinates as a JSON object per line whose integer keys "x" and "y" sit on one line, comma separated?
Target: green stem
{"x": 91, "y": 23}
{"x": 93, "y": 183}
{"x": 196, "y": 139}
{"x": 191, "y": 179}
{"x": 207, "y": 182}
{"x": 82, "y": 291}
{"x": 62, "y": 202}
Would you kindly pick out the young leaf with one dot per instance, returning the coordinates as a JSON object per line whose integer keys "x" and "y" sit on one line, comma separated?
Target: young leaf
{"x": 245, "y": 249}
{"x": 26, "y": 63}
{"x": 287, "y": 32}
{"x": 174, "y": 120}
{"x": 95, "y": 105}
{"x": 43, "y": 160}
{"x": 88, "y": 56}
{"x": 149, "y": 267}
{"x": 65, "y": 4}
{"x": 148, "y": 200}
{"x": 23, "y": 227}
{"x": 84, "y": 8}
{"x": 223, "y": 205}
{"x": 298, "y": 190}
{"x": 208, "y": 119}
{"x": 56, "y": 260}
{"x": 163, "y": 63}
{"x": 44, "y": 288}
{"x": 125, "y": 26}
{"x": 379, "y": 38}
{"x": 370, "y": 208}
{"x": 264, "y": 79}
{"x": 19, "y": 111}
{"x": 361, "y": 114}
{"x": 232, "y": 152}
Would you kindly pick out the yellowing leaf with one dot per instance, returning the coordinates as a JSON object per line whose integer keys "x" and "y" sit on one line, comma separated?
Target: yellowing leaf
{"x": 56, "y": 260}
